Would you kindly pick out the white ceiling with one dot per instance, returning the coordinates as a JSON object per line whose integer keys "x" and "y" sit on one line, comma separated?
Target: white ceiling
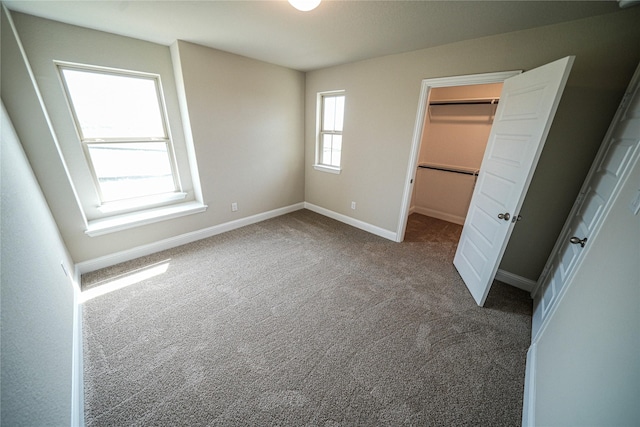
{"x": 337, "y": 32}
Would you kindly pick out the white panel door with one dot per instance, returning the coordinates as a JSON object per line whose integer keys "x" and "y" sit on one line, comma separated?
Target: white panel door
{"x": 527, "y": 105}
{"x": 620, "y": 147}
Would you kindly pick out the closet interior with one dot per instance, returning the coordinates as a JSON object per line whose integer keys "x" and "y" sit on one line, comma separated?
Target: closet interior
{"x": 456, "y": 129}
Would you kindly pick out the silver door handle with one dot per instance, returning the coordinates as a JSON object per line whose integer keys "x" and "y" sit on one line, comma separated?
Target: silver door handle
{"x": 577, "y": 241}
{"x": 504, "y": 216}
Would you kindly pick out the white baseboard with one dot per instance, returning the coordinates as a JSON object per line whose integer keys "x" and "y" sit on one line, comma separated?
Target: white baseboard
{"x": 529, "y": 399}
{"x": 77, "y": 374}
{"x": 515, "y": 280}
{"x": 439, "y": 215}
{"x": 137, "y": 252}
{"x": 352, "y": 222}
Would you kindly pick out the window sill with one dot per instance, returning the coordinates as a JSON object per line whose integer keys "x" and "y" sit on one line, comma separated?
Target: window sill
{"x": 100, "y": 227}
{"x": 330, "y": 169}
{"x": 140, "y": 202}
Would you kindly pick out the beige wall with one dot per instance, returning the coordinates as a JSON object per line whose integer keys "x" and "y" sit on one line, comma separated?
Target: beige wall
{"x": 443, "y": 195}
{"x": 456, "y": 135}
{"x": 37, "y": 299}
{"x": 382, "y": 101}
{"x": 246, "y": 120}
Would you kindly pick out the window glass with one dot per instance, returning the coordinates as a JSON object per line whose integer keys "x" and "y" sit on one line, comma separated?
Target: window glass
{"x": 120, "y": 120}
{"x": 332, "y": 121}
{"x": 128, "y": 170}
{"x": 331, "y": 149}
{"x": 114, "y": 106}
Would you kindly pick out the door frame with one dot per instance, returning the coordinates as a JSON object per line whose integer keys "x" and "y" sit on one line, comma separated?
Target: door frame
{"x": 425, "y": 89}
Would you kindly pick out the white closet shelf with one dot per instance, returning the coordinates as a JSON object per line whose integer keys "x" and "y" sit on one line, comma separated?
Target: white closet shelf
{"x": 465, "y": 101}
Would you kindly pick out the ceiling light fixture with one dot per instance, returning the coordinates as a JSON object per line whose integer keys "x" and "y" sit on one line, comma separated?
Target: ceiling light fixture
{"x": 305, "y": 5}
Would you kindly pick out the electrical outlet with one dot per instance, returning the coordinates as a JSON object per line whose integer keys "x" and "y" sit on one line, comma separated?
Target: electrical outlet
{"x": 353, "y": 205}
{"x": 234, "y": 207}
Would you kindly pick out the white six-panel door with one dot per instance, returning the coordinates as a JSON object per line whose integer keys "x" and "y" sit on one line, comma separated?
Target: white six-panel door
{"x": 620, "y": 146}
{"x": 527, "y": 105}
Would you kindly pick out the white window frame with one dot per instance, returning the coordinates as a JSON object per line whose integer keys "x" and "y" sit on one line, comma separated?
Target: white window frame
{"x": 321, "y": 132}
{"x": 104, "y": 218}
{"x": 136, "y": 202}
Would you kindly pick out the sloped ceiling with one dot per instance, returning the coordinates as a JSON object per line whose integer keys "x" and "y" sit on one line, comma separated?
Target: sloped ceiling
{"x": 336, "y": 32}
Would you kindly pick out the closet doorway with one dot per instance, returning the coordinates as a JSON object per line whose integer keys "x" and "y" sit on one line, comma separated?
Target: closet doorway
{"x": 450, "y": 207}
{"x": 463, "y": 88}
{"x": 454, "y": 136}
{"x": 527, "y": 108}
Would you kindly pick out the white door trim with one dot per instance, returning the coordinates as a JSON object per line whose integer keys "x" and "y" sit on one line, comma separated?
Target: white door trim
{"x": 529, "y": 398}
{"x": 427, "y": 84}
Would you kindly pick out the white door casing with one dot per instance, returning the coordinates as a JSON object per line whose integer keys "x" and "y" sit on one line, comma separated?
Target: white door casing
{"x": 615, "y": 158}
{"x": 527, "y": 106}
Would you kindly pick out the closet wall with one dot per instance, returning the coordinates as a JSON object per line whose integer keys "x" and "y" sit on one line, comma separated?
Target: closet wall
{"x": 456, "y": 129}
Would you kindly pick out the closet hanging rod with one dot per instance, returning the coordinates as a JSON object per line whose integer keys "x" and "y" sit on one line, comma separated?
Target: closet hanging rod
{"x": 491, "y": 101}
{"x": 439, "y": 168}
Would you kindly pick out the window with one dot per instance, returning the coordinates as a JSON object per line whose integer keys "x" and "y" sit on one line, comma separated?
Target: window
{"x": 122, "y": 127}
{"x": 331, "y": 121}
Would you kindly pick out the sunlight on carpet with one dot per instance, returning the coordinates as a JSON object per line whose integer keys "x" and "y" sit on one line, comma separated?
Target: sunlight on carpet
{"x": 124, "y": 280}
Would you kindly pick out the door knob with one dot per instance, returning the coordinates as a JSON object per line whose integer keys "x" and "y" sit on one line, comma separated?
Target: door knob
{"x": 504, "y": 216}
{"x": 577, "y": 241}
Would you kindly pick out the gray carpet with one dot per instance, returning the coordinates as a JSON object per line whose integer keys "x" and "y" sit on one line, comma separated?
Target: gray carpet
{"x": 302, "y": 320}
